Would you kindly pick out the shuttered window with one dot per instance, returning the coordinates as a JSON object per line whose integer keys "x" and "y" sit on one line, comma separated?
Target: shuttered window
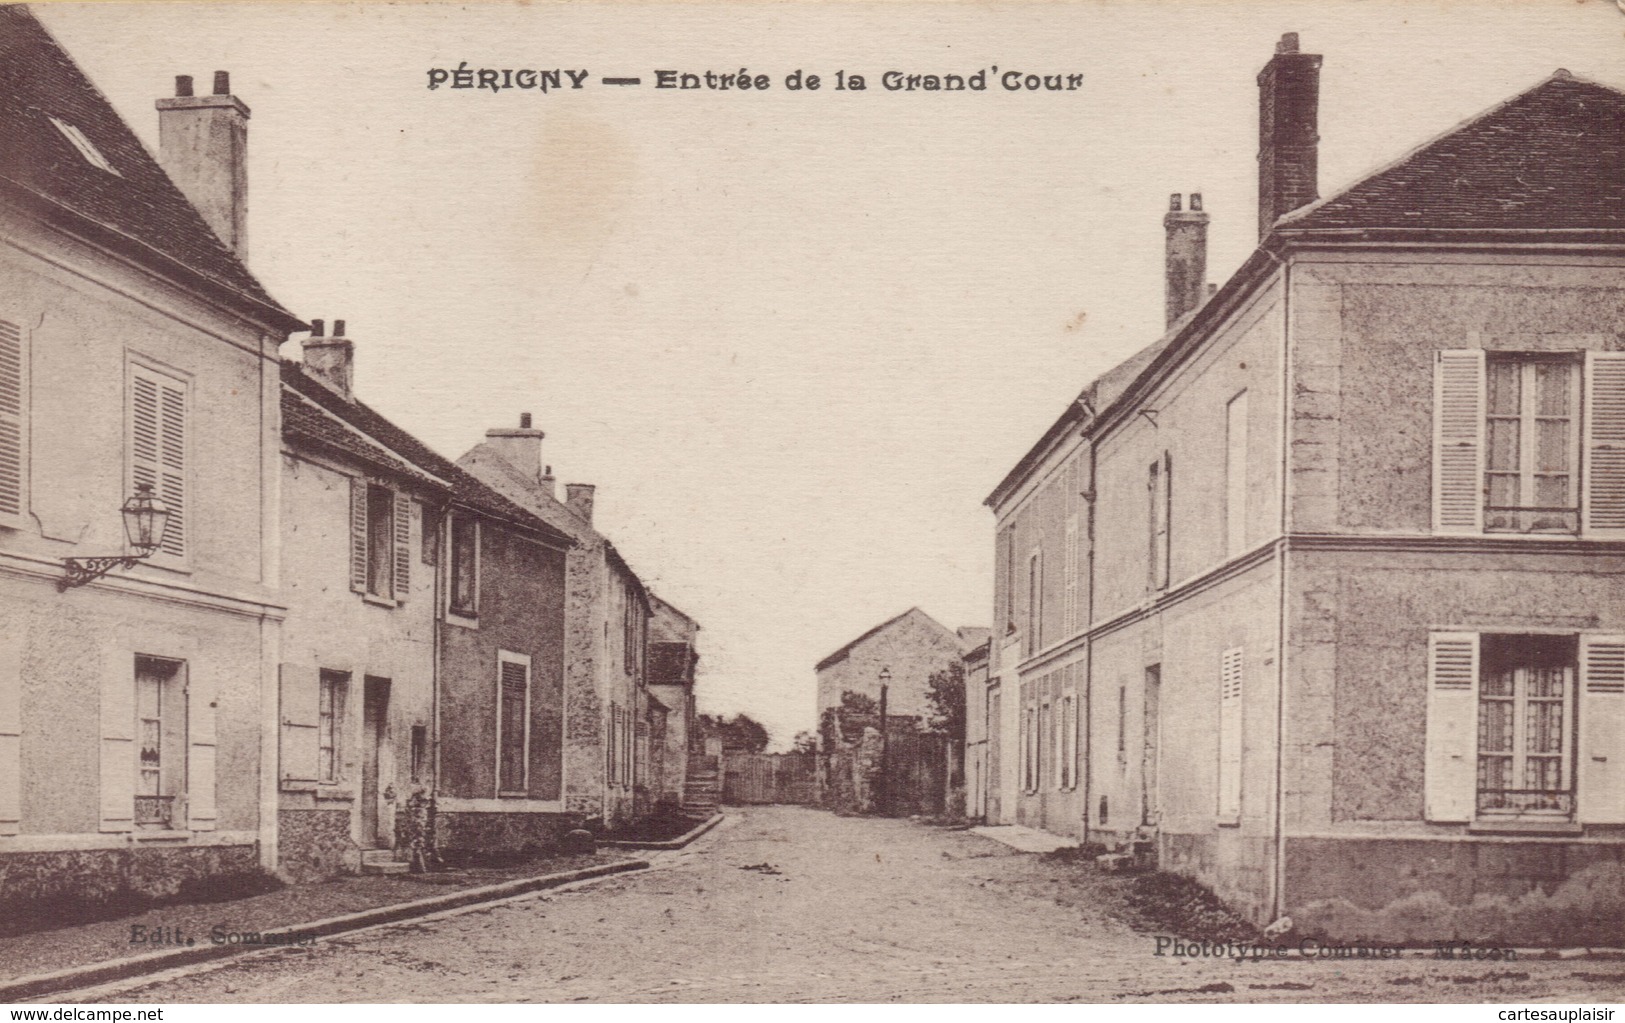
{"x": 1159, "y": 502}
{"x": 299, "y": 746}
{"x": 1603, "y": 453}
{"x": 1235, "y": 475}
{"x": 158, "y": 448}
{"x": 1231, "y": 671}
{"x": 1602, "y": 730}
{"x": 513, "y": 715}
{"x": 13, "y": 418}
{"x": 380, "y": 541}
{"x": 1525, "y": 722}
{"x": 330, "y": 726}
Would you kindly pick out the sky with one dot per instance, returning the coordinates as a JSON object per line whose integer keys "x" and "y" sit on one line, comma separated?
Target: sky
{"x": 794, "y": 337}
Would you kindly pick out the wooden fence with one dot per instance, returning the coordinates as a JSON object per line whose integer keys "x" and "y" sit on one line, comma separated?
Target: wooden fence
{"x": 769, "y": 778}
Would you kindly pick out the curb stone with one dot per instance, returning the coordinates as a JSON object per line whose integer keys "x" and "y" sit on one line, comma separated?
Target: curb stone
{"x": 674, "y": 843}
{"x": 131, "y": 966}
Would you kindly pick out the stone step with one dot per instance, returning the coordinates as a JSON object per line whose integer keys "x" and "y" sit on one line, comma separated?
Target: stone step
{"x": 385, "y": 867}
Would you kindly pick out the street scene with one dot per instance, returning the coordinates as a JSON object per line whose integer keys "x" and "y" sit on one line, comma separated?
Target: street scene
{"x": 1140, "y": 521}
{"x": 789, "y": 904}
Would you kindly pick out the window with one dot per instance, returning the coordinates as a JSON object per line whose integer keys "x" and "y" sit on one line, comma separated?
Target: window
{"x": 1122, "y": 721}
{"x": 160, "y": 708}
{"x": 1007, "y": 550}
{"x": 380, "y": 541}
{"x": 513, "y": 717}
{"x": 1158, "y": 503}
{"x": 631, "y": 632}
{"x": 1529, "y": 443}
{"x": 420, "y": 751}
{"x": 1231, "y": 668}
{"x": 465, "y": 566}
{"x": 1068, "y": 744}
{"x": 1035, "y": 603}
{"x": 83, "y": 145}
{"x": 1029, "y": 740}
{"x": 13, "y": 416}
{"x": 1525, "y": 728}
{"x": 157, "y": 447}
{"x": 1235, "y": 475}
{"x": 1039, "y": 735}
{"x": 330, "y": 725}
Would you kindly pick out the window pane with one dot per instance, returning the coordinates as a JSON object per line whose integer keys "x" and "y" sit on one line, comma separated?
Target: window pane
{"x": 1502, "y": 444}
{"x": 1552, "y": 388}
{"x": 1503, "y": 387}
{"x": 1553, "y": 445}
{"x": 1552, "y": 492}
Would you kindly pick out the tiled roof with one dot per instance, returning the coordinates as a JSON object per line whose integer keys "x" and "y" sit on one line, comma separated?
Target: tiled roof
{"x": 406, "y": 449}
{"x": 138, "y": 209}
{"x": 1551, "y": 158}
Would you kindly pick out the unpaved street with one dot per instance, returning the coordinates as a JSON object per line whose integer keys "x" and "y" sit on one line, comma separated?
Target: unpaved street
{"x": 792, "y": 904}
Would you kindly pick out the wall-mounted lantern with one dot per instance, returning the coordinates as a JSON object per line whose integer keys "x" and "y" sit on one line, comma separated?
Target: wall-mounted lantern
{"x": 145, "y": 519}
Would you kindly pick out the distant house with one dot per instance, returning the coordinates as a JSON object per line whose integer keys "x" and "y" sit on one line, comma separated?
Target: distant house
{"x": 911, "y": 646}
{"x": 673, "y": 657}
{"x": 981, "y": 765}
{"x": 138, "y": 355}
{"x": 1321, "y": 592}
{"x": 606, "y": 698}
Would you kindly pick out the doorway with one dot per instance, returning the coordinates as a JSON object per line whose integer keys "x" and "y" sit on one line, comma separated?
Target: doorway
{"x": 1151, "y": 747}
{"x": 374, "y": 737}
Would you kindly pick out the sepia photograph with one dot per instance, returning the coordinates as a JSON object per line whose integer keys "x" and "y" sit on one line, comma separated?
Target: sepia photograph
{"x": 824, "y": 501}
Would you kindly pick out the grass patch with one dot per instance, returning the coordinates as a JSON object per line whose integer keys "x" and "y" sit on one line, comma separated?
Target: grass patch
{"x": 1176, "y": 904}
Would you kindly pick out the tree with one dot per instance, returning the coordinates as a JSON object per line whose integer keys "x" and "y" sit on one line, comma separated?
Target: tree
{"x": 945, "y": 693}
{"x": 858, "y": 703}
{"x": 805, "y": 742}
{"x": 740, "y": 732}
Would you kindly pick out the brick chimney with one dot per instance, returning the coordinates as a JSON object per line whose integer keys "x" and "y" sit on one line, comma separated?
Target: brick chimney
{"x": 1288, "y": 132}
{"x": 331, "y": 359}
{"x": 578, "y": 496}
{"x": 522, "y": 449}
{"x": 203, "y": 146}
{"x": 1185, "y": 268}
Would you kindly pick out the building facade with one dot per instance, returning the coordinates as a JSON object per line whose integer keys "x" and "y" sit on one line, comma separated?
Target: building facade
{"x": 1320, "y": 592}
{"x": 673, "y": 659}
{"x": 912, "y": 647}
{"x": 137, "y": 355}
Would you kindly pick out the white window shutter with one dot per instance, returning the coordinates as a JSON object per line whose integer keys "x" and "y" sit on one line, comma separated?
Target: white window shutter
{"x": 200, "y": 753}
{"x": 172, "y": 464}
{"x": 1450, "y": 781}
{"x": 1601, "y": 795}
{"x": 1458, "y": 441}
{"x": 358, "y": 534}
{"x": 118, "y": 743}
{"x": 1602, "y": 504}
{"x": 1071, "y": 570}
{"x": 403, "y": 546}
{"x": 1231, "y": 671}
{"x": 300, "y": 716}
{"x": 11, "y": 731}
{"x": 11, "y": 422}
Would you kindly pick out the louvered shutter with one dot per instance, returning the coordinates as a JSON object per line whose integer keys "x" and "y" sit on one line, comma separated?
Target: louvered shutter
{"x": 118, "y": 742}
{"x": 11, "y": 731}
{"x": 1450, "y": 762}
{"x": 403, "y": 546}
{"x": 1458, "y": 441}
{"x": 512, "y": 726}
{"x": 1167, "y": 568}
{"x": 1071, "y": 570}
{"x": 1601, "y": 795}
{"x": 11, "y": 422}
{"x": 200, "y": 751}
{"x": 1602, "y": 511}
{"x": 1231, "y": 670}
{"x": 300, "y": 717}
{"x": 358, "y": 534}
{"x": 158, "y": 448}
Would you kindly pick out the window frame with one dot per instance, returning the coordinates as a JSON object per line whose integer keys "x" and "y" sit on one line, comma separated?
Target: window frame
{"x": 1517, "y": 754}
{"x": 1034, "y": 630}
{"x": 161, "y": 375}
{"x": 505, "y": 657}
{"x": 1528, "y": 417}
{"x": 463, "y": 614}
{"x": 332, "y": 688}
{"x": 172, "y": 772}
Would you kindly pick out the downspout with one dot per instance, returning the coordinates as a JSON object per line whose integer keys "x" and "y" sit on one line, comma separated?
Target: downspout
{"x": 1278, "y": 869}
{"x": 442, "y": 561}
{"x": 1089, "y": 655}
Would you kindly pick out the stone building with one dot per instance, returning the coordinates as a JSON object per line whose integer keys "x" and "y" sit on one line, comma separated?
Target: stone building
{"x": 1322, "y": 589}
{"x": 607, "y": 612}
{"x": 981, "y": 799}
{"x": 673, "y": 658}
{"x": 912, "y": 646}
{"x": 136, "y": 351}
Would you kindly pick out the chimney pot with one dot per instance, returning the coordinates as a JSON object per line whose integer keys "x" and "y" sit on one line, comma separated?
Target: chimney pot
{"x": 1196, "y": 202}
{"x": 1288, "y": 43}
{"x": 317, "y": 328}
{"x": 331, "y": 359}
{"x": 203, "y": 147}
{"x": 578, "y": 497}
{"x": 222, "y": 83}
{"x": 1173, "y": 203}
{"x": 524, "y": 420}
{"x": 183, "y": 85}
{"x": 338, "y": 328}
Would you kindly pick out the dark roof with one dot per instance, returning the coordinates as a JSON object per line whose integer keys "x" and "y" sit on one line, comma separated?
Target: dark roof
{"x": 408, "y": 453}
{"x": 1550, "y": 159}
{"x": 840, "y": 655}
{"x": 137, "y": 211}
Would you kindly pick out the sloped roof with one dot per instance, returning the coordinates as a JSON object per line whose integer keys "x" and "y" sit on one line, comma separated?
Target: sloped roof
{"x": 137, "y": 210}
{"x": 1550, "y": 158}
{"x": 840, "y": 655}
{"x": 416, "y": 457}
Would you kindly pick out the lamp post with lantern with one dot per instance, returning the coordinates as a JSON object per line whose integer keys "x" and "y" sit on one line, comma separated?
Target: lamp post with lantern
{"x": 145, "y": 519}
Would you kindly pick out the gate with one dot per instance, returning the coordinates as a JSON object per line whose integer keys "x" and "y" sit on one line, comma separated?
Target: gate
{"x": 769, "y": 778}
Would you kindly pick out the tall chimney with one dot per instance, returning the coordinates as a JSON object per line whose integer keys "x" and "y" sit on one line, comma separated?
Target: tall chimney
{"x": 1288, "y": 132}
{"x": 1185, "y": 268}
{"x": 203, "y": 146}
{"x": 521, "y": 448}
{"x": 578, "y": 497}
{"x": 331, "y": 359}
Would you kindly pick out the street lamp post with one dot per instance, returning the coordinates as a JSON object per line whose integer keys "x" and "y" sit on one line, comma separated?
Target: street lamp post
{"x": 885, "y": 767}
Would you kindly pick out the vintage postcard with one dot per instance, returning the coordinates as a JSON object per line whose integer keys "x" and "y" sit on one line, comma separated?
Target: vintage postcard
{"x": 764, "y": 502}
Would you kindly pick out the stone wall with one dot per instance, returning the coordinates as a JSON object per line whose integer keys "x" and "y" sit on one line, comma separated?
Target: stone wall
{"x": 471, "y": 837}
{"x": 313, "y": 845}
{"x": 33, "y": 884}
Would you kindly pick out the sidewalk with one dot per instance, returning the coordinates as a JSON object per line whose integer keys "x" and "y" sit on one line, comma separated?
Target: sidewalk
{"x": 1025, "y": 839}
{"x": 170, "y": 927}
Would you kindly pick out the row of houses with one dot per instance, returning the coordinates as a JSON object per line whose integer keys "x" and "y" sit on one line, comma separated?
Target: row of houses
{"x": 1320, "y": 596}
{"x": 246, "y": 622}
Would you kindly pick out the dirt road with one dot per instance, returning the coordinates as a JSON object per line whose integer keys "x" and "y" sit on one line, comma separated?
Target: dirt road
{"x": 792, "y": 904}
